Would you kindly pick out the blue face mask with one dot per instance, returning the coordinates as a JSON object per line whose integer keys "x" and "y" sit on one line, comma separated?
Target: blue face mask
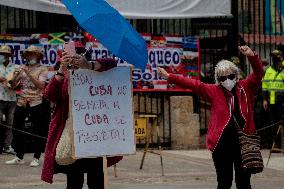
{"x": 2, "y": 59}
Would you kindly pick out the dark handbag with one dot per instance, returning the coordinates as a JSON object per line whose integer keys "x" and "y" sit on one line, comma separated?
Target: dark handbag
{"x": 251, "y": 157}
{"x": 252, "y": 161}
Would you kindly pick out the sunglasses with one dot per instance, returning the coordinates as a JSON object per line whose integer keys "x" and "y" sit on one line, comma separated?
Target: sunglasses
{"x": 224, "y": 78}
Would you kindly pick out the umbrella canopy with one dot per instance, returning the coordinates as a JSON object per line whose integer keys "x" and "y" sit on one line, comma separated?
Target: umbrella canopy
{"x": 111, "y": 29}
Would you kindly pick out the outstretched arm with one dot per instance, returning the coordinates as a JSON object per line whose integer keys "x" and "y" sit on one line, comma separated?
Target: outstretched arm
{"x": 197, "y": 87}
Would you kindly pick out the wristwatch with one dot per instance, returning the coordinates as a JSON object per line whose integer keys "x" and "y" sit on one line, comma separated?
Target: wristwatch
{"x": 60, "y": 74}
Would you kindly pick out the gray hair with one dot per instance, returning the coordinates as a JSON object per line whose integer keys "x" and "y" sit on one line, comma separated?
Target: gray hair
{"x": 225, "y": 67}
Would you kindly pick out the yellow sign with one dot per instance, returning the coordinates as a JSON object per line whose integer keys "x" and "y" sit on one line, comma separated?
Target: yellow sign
{"x": 140, "y": 127}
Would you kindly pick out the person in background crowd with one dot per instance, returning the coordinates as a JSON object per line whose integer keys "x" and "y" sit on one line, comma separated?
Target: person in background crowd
{"x": 32, "y": 79}
{"x": 229, "y": 97}
{"x": 7, "y": 99}
{"x": 237, "y": 62}
{"x": 273, "y": 89}
{"x": 57, "y": 92}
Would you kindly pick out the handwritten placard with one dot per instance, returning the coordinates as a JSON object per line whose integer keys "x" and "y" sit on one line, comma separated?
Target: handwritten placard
{"x": 102, "y": 112}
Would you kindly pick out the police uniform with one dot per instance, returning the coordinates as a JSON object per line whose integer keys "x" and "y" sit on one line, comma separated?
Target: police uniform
{"x": 273, "y": 91}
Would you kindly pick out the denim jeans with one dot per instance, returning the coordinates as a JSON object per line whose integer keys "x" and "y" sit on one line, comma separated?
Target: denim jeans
{"x": 227, "y": 158}
{"x": 7, "y": 108}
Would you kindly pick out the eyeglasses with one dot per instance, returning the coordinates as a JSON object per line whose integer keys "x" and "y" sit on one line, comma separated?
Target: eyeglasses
{"x": 224, "y": 78}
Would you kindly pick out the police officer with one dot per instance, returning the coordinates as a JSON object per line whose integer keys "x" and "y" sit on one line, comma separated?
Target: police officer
{"x": 273, "y": 88}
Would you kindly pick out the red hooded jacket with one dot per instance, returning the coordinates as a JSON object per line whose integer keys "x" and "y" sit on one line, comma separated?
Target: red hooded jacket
{"x": 220, "y": 114}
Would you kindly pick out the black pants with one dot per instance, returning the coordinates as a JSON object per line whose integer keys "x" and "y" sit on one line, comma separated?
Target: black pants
{"x": 39, "y": 127}
{"x": 227, "y": 156}
{"x": 95, "y": 175}
{"x": 276, "y": 115}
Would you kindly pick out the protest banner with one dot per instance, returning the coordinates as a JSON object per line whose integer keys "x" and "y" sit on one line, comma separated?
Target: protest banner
{"x": 102, "y": 112}
{"x": 179, "y": 55}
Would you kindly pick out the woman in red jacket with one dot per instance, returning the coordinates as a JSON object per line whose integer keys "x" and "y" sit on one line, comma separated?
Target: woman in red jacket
{"x": 228, "y": 96}
{"x": 57, "y": 92}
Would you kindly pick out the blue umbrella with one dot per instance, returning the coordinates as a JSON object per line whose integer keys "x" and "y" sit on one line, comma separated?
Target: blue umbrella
{"x": 108, "y": 26}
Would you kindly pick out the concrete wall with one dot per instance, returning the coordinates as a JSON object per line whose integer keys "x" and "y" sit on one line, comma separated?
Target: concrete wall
{"x": 185, "y": 126}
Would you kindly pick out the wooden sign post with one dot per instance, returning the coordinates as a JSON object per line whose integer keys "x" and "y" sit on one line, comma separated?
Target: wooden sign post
{"x": 102, "y": 113}
{"x": 154, "y": 127}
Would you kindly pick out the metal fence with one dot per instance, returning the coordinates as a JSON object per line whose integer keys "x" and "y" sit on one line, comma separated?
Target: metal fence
{"x": 154, "y": 104}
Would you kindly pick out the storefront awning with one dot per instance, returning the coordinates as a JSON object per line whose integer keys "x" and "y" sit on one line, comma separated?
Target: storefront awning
{"x": 139, "y": 8}
{"x": 172, "y": 8}
{"x": 50, "y": 6}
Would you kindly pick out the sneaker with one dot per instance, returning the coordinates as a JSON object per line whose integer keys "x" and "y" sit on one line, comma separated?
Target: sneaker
{"x": 34, "y": 163}
{"x": 15, "y": 161}
{"x": 9, "y": 150}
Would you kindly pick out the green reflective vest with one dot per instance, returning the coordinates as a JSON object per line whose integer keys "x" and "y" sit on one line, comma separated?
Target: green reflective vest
{"x": 272, "y": 82}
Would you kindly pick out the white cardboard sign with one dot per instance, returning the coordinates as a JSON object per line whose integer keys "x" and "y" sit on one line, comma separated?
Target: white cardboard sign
{"x": 102, "y": 112}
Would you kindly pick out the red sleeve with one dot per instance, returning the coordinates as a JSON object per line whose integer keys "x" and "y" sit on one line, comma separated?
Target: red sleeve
{"x": 53, "y": 90}
{"x": 106, "y": 64}
{"x": 197, "y": 87}
{"x": 253, "y": 81}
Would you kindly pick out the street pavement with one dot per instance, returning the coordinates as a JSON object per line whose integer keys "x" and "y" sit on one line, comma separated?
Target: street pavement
{"x": 190, "y": 169}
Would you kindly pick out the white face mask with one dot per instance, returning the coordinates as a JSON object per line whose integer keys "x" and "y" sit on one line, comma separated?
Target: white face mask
{"x": 229, "y": 84}
{"x": 33, "y": 61}
{"x": 2, "y": 59}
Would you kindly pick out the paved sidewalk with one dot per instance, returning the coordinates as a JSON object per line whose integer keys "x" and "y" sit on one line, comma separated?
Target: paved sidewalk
{"x": 192, "y": 169}
{"x": 276, "y": 160}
